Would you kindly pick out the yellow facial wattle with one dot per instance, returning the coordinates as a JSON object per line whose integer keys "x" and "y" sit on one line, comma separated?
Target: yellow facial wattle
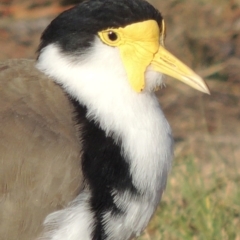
{"x": 138, "y": 43}
{"x": 142, "y": 44}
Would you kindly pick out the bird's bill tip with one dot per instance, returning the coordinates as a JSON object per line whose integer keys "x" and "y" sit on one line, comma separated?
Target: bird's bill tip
{"x": 168, "y": 64}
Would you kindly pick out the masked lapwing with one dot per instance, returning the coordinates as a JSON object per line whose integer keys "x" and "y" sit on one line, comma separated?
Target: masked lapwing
{"x": 85, "y": 148}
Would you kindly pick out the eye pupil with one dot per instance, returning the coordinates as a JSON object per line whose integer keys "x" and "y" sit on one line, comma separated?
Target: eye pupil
{"x": 112, "y": 36}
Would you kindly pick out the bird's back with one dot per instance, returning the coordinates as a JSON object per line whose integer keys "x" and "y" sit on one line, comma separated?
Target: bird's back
{"x": 40, "y": 152}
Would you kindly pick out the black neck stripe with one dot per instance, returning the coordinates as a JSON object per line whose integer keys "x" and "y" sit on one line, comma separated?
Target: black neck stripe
{"x": 104, "y": 169}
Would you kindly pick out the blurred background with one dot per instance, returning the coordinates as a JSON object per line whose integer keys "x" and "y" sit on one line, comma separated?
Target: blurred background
{"x": 202, "y": 200}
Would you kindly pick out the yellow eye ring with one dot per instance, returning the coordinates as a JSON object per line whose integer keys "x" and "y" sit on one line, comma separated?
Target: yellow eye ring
{"x": 110, "y": 37}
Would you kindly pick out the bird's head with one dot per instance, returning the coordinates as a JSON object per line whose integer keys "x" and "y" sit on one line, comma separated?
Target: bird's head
{"x": 118, "y": 37}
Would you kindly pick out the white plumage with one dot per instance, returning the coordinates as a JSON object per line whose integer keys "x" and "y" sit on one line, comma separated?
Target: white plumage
{"x": 99, "y": 82}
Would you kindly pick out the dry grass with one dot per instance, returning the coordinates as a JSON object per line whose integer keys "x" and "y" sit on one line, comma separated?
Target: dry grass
{"x": 205, "y": 33}
{"x": 198, "y": 205}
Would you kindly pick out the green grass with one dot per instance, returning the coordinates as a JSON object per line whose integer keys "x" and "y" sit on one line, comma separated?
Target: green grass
{"x": 198, "y": 204}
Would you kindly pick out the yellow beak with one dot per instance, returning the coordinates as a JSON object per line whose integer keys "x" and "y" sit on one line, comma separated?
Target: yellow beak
{"x": 166, "y": 63}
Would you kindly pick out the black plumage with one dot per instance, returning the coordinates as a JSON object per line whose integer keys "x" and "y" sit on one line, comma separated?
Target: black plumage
{"x": 75, "y": 29}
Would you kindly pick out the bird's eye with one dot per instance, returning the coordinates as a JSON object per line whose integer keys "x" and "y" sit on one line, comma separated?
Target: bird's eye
{"x": 112, "y": 36}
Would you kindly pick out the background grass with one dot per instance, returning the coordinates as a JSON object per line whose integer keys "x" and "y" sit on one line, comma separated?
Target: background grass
{"x": 197, "y": 207}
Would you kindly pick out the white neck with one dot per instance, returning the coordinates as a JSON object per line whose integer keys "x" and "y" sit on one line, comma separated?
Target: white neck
{"x": 100, "y": 83}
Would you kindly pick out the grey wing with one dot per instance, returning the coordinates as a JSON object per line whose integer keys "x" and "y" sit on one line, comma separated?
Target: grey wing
{"x": 40, "y": 150}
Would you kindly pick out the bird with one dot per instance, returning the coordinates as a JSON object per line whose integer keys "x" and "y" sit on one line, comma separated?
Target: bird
{"x": 85, "y": 148}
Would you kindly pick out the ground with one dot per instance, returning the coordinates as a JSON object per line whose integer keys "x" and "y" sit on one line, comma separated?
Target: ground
{"x": 202, "y": 200}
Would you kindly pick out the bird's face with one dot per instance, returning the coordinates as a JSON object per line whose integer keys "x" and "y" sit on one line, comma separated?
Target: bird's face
{"x": 142, "y": 45}
{"x": 130, "y": 31}
{"x": 137, "y": 43}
